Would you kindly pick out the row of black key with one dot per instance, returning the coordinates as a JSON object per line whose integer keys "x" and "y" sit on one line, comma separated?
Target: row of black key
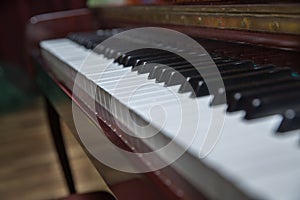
{"x": 258, "y": 90}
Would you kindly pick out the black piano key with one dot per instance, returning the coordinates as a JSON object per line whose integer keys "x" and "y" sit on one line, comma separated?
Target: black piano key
{"x": 172, "y": 61}
{"x": 120, "y": 58}
{"x": 110, "y": 53}
{"x": 177, "y": 63}
{"x": 189, "y": 85}
{"x": 157, "y": 70}
{"x": 185, "y": 69}
{"x": 223, "y": 65}
{"x": 222, "y": 60}
{"x": 232, "y": 89}
{"x": 202, "y": 89}
{"x": 147, "y": 52}
{"x": 172, "y": 76}
{"x": 137, "y": 59}
{"x": 171, "y": 65}
{"x": 91, "y": 44}
{"x": 244, "y": 80}
{"x": 152, "y": 68}
{"x": 214, "y": 77}
{"x": 147, "y": 59}
{"x": 130, "y": 58}
{"x": 133, "y": 57}
{"x": 271, "y": 104}
{"x": 100, "y": 49}
{"x": 147, "y": 68}
{"x": 240, "y": 99}
{"x": 89, "y": 40}
{"x": 224, "y": 70}
{"x": 258, "y": 74}
{"x": 290, "y": 121}
{"x": 166, "y": 60}
{"x": 236, "y": 65}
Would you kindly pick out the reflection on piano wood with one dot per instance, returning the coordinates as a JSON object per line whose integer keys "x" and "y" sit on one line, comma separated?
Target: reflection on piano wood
{"x": 258, "y": 153}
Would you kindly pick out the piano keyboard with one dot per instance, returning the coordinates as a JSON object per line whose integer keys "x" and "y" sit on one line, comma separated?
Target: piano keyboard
{"x": 258, "y": 150}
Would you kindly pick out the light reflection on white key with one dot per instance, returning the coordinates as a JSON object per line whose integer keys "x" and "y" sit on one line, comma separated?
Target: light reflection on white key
{"x": 248, "y": 153}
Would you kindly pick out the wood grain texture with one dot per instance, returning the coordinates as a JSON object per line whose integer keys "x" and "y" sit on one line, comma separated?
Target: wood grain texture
{"x": 29, "y": 166}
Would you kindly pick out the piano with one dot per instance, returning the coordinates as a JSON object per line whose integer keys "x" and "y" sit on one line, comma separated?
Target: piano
{"x": 215, "y": 121}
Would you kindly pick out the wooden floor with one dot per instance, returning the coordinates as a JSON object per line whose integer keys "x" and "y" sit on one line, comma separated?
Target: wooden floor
{"x": 29, "y": 166}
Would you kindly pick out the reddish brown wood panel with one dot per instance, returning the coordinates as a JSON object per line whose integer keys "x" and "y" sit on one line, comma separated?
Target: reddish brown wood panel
{"x": 55, "y": 25}
{"x": 14, "y": 15}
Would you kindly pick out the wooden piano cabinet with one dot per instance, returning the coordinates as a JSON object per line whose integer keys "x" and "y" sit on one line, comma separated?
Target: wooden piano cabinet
{"x": 59, "y": 107}
{"x": 56, "y": 25}
{"x": 55, "y": 127}
{"x": 14, "y": 15}
{"x": 59, "y": 99}
{"x": 270, "y": 25}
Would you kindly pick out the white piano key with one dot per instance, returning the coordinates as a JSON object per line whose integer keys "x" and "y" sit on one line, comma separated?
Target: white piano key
{"x": 282, "y": 185}
{"x": 247, "y": 154}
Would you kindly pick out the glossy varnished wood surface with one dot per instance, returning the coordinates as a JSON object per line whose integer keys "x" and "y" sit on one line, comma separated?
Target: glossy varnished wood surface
{"x": 263, "y": 25}
{"x": 29, "y": 166}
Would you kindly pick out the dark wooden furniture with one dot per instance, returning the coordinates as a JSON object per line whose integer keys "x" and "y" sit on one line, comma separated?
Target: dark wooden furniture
{"x": 14, "y": 17}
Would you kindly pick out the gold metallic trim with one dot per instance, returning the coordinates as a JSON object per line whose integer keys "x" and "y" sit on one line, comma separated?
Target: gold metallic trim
{"x": 262, "y": 18}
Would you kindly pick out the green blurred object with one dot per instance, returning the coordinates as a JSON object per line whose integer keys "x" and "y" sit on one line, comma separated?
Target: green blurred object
{"x": 97, "y": 3}
{"x": 16, "y": 88}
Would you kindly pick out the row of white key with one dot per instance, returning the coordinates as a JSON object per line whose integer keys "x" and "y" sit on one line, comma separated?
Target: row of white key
{"x": 248, "y": 152}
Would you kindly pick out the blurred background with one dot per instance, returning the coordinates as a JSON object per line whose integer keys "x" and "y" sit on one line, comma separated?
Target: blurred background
{"x": 16, "y": 85}
{"x": 29, "y": 166}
